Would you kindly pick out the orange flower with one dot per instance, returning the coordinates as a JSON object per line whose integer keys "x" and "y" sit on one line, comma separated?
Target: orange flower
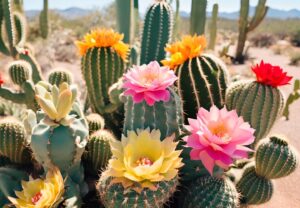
{"x": 189, "y": 47}
{"x": 103, "y": 38}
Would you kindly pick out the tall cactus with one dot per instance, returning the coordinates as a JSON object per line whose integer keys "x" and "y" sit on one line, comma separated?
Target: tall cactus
{"x": 44, "y": 24}
{"x": 213, "y": 27}
{"x": 198, "y": 17}
{"x": 125, "y": 15}
{"x": 246, "y": 26}
{"x": 158, "y": 21}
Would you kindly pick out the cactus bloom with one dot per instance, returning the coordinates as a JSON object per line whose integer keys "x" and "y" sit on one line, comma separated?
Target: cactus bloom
{"x": 141, "y": 159}
{"x": 149, "y": 83}
{"x": 270, "y": 75}
{"x": 189, "y": 47}
{"x": 58, "y": 103}
{"x": 41, "y": 193}
{"x": 217, "y": 137}
{"x": 1, "y": 80}
{"x": 104, "y": 38}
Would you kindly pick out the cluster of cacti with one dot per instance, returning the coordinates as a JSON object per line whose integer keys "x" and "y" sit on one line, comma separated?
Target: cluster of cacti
{"x": 246, "y": 25}
{"x": 170, "y": 135}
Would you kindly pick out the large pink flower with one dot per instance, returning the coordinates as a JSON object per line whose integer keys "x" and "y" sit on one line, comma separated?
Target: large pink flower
{"x": 218, "y": 137}
{"x": 149, "y": 82}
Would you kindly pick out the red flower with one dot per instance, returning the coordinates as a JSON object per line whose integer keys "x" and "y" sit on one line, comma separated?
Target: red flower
{"x": 1, "y": 80}
{"x": 268, "y": 74}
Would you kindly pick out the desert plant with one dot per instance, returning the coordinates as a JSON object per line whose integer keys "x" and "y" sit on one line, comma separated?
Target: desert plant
{"x": 263, "y": 40}
{"x": 296, "y": 38}
{"x": 198, "y": 17}
{"x": 125, "y": 15}
{"x": 213, "y": 27}
{"x": 44, "y": 25}
{"x": 295, "y": 58}
{"x": 294, "y": 96}
{"x": 246, "y": 26}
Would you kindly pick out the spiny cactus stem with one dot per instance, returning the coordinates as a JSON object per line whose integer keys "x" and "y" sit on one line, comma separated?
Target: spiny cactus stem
{"x": 36, "y": 69}
{"x": 12, "y": 96}
{"x": 260, "y": 13}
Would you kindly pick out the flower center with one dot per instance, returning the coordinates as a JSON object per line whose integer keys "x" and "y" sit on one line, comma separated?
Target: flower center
{"x": 36, "y": 198}
{"x": 149, "y": 78}
{"x": 219, "y": 130}
{"x": 144, "y": 161}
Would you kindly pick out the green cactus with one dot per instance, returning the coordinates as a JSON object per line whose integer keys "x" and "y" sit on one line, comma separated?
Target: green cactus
{"x": 136, "y": 17}
{"x": 95, "y": 122}
{"x": 211, "y": 192}
{"x": 9, "y": 183}
{"x": 158, "y": 21}
{"x": 20, "y": 25}
{"x": 260, "y": 105}
{"x": 44, "y": 25}
{"x": 60, "y": 76}
{"x": 13, "y": 143}
{"x": 294, "y": 96}
{"x": 213, "y": 27}
{"x": 165, "y": 116}
{"x": 27, "y": 56}
{"x": 18, "y": 5}
{"x": 254, "y": 188}
{"x": 114, "y": 195}
{"x": 4, "y": 161}
{"x": 98, "y": 151}
{"x": 125, "y": 16}
{"x": 198, "y": 17}
{"x": 275, "y": 158}
{"x": 202, "y": 82}
{"x": 20, "y": 72}
{"x": 246, "y": 25}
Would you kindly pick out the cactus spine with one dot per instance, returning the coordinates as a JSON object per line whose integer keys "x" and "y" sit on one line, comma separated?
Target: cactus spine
{"x": 158, "y": 21}
{"x": 58, "y": 77}
{"x": 211, "y": 192}
{"x": 213, "y": 27}
{"x": 114, "y": 195}
{"x": 125, "y": 15}
{"x": 202, "y": 82}
{"x": 165, "y": 116}
{"x": 95, "y": 122}
{"x": 260, "y": 105}
{"x": 44, "y": 27}
{"x": 246, "y": 26}
{"x": 198, "y": 17}
{"x": 275, "y": 158}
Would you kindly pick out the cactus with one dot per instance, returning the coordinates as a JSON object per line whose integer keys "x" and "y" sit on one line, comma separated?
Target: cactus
{"x": 98, "y": 150}
{"x": 260, "y": 105}
{"x": 44, "y": 27}
{"x": 158, "y": 21}
{"x": 294, "y": 96}
{"x": 20, "y": 72}
{"x": 202, "y": 82}
{"x": 211, "y": 192}
{"x": 213, "y": 27}
{"x": 114, "y": 195}
{"x": 254, "y": 188}
{"x": 60, "y": 76}
{"x": 9, "y": 183}
{"x": 95, "y": 122}
{"x": 13, "y": 143}
{"x": 125, "y": 15}
{"x": 18, "y": 5}
{"x": 246, "y": 26}
{"x": 275, "y": 158}
{"x": 165, "y": 116}
{"x": 198, "y": 17}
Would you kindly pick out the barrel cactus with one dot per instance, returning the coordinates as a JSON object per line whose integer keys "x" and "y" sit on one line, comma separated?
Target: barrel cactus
{"x": 59, "y": 76}
{"x": 158, "y": 21}
{"x": 20, "y": 72}
{"x": 202, "y": 78}
{"x": 259, "y": 102}
{"x": 95, "y": 122}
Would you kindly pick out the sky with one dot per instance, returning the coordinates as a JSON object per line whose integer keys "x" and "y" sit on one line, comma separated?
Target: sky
{"x": 224, "y": 5}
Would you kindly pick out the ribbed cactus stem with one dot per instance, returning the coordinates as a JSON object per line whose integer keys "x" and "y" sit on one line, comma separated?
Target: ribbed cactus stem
{"x": 213, "y": 27}
{"x": 198, "y": 17}
{"x": 20, "y": 72}
{"x": 44, "y": 27}
{"x": 125, "y": 15}
{"x": 95, "y": 122}
{"x": 60, "y": 76}
{"x": 158, "y": 21}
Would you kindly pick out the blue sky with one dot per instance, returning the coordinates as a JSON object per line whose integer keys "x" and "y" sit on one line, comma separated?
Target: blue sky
{"x": 225, "y": 5}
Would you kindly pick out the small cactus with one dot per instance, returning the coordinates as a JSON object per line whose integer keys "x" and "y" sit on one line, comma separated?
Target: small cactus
{"x": 20, "y": 72}
{"x": 59, "y": 76}
{"x": 275, "y": 158}
{"x": 95, "y": 122}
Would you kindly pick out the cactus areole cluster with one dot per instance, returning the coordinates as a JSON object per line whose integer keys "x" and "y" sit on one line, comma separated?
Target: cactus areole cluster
{"x": 162, "y": 125}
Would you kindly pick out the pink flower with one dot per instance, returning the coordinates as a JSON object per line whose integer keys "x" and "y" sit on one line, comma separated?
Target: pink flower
{"x": 218, "y": 137}
{"x": 149, "y": 82}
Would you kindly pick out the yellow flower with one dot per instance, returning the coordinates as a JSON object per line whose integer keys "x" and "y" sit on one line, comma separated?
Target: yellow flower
{"x": 104, "y": 38}
{"x": 41, "y": 193}
{"x": 141, "y": 160}
{"x": 189, "y": 47}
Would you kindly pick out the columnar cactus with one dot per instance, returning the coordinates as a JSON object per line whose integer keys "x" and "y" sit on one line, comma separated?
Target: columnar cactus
{"x": 211, "y": 192}
{"x": 246, "y": 26}
{"x": 44, "y": 27}
{"x": 213, "y": 27}
{"x": 143, "y": 109}
{"x": 198, "y": 17}
{"x": 60, "y": 76}
{"x": 125, "y": 15}
{"x": 13, "y": 143}
{"x": 202, "y": 78}
{"x": 259, "y": 102}
{"x": 158, "y": 21}
{"x": 275, "y": 158}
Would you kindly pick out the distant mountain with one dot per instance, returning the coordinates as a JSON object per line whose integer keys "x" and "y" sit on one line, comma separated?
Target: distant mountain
{"x": 75, "y": 12}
